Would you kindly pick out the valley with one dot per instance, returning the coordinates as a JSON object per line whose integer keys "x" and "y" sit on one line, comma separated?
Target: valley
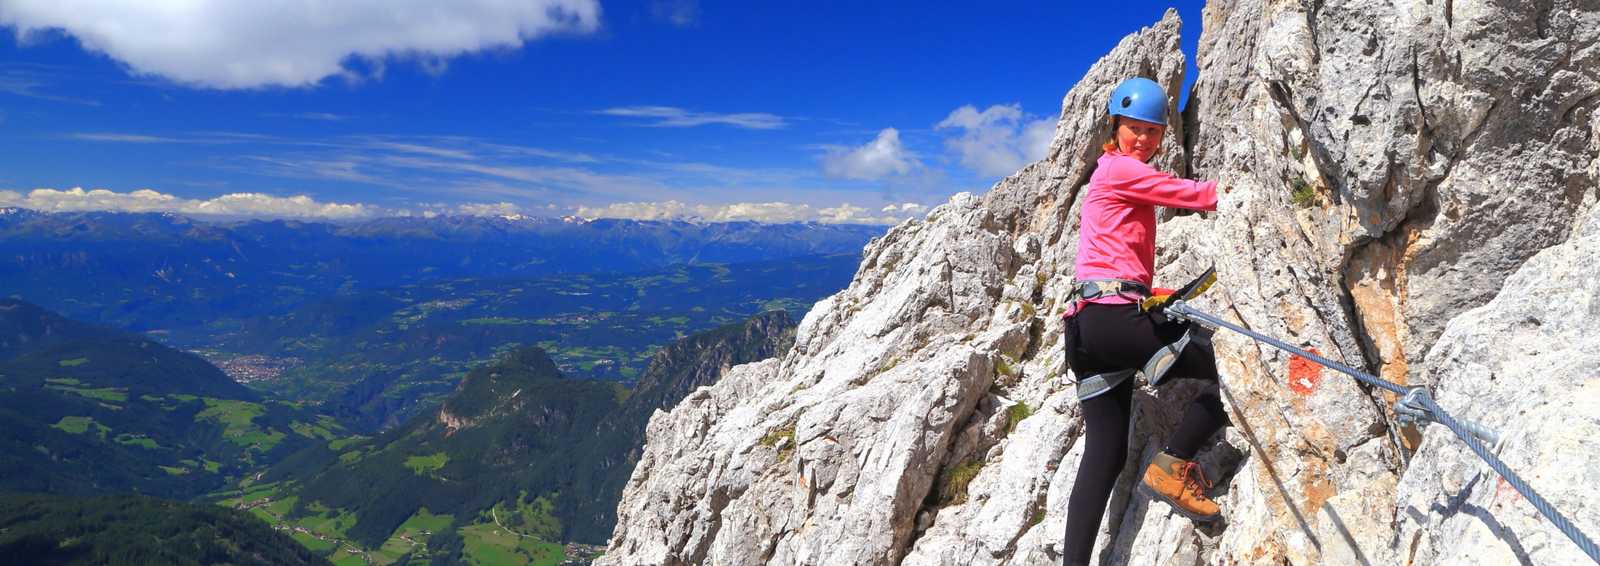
{"x": 484, "y": 419}
{"x": 376, "y": 358}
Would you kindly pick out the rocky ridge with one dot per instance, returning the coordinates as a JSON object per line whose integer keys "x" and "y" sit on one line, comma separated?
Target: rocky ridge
{"x": 1387, "y": 168}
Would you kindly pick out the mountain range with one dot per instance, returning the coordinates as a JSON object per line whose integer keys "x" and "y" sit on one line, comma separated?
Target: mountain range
{"x": 161, "y": 271}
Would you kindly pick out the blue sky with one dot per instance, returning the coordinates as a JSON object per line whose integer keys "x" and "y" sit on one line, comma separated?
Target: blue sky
{"x": 765, "y": 110}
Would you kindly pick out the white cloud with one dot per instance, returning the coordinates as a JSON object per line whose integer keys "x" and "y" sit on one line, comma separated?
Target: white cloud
{"x": 258, "y": 205}
{"x": 451, "y": 147}
{"x": 671, "y": 117}
{"x": 905, "y": 207}
{"x": 237, "y": 205}
{"x": 146, "y": 200}
{"x": 228, "y": 44}
{"x": 882, "y": 157}
{"x": 842, "y": 213}
{"x": 488, "y": 209}
{"x": 999, "y": 140}
{"x": 771, "y": 212}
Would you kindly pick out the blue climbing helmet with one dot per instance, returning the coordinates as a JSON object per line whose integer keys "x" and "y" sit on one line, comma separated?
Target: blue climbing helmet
{"x": 1141, "y": 99}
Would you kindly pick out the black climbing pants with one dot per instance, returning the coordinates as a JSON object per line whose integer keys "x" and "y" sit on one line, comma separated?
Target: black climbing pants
{"x": 1110, "y": 338}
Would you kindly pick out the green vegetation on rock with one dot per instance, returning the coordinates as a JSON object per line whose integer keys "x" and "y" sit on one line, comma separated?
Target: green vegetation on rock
{"x": 1015, "y": 414}
{"x": 953, "y": 487}
{"x": 1302, "y": 193}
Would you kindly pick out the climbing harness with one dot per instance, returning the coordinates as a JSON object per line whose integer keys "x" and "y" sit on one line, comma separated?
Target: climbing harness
{"x": 1156, "y": 368}
{"x": 1091, "y": 289}
{"x": 1415, "y": 405}
{"x": 1101, "y": 383}
{"x": 1098, "y": 384}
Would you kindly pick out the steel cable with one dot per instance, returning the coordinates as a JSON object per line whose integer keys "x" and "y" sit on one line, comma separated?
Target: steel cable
{"x": 1181, "y": 309}
{"x": 1549, "y": 511}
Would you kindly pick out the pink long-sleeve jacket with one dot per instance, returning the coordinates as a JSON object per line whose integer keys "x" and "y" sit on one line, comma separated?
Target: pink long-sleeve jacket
{"x": 1117, "y": 232}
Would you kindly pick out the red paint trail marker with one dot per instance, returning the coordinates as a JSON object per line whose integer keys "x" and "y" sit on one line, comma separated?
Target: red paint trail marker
{"x": 1504, "y": 487}
{"x": 1304, "y": 375}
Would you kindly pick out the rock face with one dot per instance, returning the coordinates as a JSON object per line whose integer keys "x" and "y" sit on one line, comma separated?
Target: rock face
{"x": 1386, "y": 168}
{"x": 607, "y": 458}
{"x": 1538, "y": 388}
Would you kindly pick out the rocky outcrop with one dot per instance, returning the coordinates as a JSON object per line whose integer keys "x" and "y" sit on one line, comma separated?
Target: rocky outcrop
{"x": 607, "y": 458}
{"x": 1538, "y": 388}
{"x": 924, "y": 416}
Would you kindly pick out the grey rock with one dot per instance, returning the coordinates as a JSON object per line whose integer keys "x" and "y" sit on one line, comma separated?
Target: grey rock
{"x": 1386, "y": 167}
{"x": 1538, "y": 387}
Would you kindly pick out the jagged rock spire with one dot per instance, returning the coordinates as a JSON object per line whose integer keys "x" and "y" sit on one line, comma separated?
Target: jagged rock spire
{"x": 1383, "y": 174}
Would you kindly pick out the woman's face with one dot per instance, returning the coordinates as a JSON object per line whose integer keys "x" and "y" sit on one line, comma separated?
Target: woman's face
{"x": 1138, "y": 138}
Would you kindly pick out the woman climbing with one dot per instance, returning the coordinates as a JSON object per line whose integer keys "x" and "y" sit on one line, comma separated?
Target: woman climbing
{"x": 1109, "y": 335}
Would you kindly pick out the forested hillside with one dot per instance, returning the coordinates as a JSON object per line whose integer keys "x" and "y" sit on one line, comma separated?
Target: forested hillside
{"x": 90, "y": 410}
{"x": 44, "y": 529}
{"x": 518, "y": 450}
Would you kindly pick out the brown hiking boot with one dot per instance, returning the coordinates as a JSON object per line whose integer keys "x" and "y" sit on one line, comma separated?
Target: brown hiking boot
{"x": 1180, "y": 484}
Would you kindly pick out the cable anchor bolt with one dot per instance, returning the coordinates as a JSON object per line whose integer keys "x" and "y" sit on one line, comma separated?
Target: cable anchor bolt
{"x": 1412, "y": 409}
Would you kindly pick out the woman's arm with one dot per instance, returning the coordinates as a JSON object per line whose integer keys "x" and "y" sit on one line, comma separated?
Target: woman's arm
{"x": 1140, "y": 183}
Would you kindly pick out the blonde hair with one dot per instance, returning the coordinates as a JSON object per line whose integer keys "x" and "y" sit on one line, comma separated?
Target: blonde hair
{"x": 1111, "y": 144}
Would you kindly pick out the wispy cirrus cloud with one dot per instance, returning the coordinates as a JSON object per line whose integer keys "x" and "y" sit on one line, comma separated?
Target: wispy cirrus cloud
{"x": 673, "y": 117}
{"x": 37, "y": 82}
{"x": 410, "y": 168}
{"x": 337, "y": 168}
{"x": 423, "y": 149}
{"x": 211, "y": 138}
{"x": 314, "y": 116}
{"x": 450, "y": 147}
{"x": 769, "y": 212}
{"x": 122, "y": 138}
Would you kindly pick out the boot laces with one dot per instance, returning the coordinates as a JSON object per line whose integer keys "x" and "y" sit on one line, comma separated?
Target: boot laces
{"x": 1193, "y": 479}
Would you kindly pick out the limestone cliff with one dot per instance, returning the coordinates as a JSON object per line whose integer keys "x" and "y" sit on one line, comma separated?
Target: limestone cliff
{"x": 1387, "y": 167}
